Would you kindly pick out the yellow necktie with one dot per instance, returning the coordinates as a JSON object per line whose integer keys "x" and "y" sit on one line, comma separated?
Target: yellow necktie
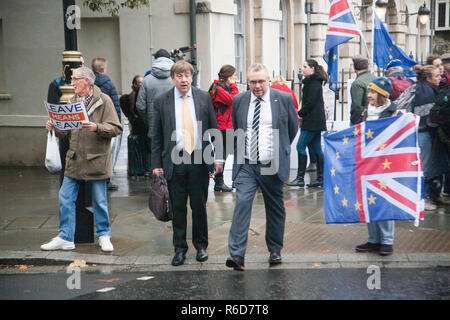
{"x": 188, "y": 127}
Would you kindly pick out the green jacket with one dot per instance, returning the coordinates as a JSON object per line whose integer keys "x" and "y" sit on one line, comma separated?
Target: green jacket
{"x": 89, "y": 155}
{"x": 359, "y": 96}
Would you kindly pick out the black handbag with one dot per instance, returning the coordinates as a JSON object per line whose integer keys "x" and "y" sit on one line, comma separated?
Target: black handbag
{"x": 159, "y": 200}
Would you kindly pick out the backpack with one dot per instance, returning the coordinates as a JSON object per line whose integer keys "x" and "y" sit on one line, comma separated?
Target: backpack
{"x": 406, "y": 99}
{"x": 440, "y": 112}
{"x": 399, "y": 85}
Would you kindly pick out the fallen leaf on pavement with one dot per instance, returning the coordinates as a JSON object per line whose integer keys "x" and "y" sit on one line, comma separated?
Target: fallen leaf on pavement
{"x": 23, "y": 267}
{"x": 78, "y": 263}
{"x": 107, "y": 280}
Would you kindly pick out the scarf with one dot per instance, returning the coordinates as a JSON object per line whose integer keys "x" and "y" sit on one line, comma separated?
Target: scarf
{"x": 373, "y": 112}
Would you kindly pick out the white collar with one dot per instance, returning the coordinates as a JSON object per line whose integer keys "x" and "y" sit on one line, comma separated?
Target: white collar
{"x": 265, "y": 98}
{"x": 178, "y": 94}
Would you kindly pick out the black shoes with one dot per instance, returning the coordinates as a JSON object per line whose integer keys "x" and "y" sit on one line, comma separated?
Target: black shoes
{"x": 366, "y": 247}
{"x": 274, "y": 258}
{"x": 222, "y": 188}
{"x": 202, "y": 255}
{"x": 383, "y": 249}
{"x": 319, "y": 178}
{"x": 220, "y": 185}
{"x": 297, "y": 182}
{"x": 386, "y": 250}
{"x": 237, "y": 263}
{"x": 178, "y": 258}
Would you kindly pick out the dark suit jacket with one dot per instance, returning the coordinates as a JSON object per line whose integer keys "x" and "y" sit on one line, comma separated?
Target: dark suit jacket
{"x": 164, "y": 125}
{"x": 284, "y": 118}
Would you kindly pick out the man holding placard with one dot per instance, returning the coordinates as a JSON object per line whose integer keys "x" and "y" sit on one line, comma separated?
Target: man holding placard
{"x": 88, "y": 158}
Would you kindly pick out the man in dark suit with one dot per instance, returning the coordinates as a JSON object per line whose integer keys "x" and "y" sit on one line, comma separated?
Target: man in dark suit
{"x": 182, "y": 116}
{"x": 268, "y": 122}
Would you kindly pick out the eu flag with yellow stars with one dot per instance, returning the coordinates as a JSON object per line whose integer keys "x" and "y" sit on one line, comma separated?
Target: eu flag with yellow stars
{"x": 331, "y": 57}
{"x": 373, "y": 172}
{"x": 385, "y": 49}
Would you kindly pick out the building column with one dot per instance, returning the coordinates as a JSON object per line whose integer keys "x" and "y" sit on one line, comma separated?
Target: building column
{"x": 215, "y": 38}
{"x": 267, "y": 25}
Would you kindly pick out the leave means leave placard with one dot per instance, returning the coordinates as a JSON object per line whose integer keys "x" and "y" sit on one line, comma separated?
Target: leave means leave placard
{"x": 67, "y": 116}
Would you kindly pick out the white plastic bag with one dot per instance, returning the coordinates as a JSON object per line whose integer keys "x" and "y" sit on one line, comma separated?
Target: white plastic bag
{"x": 52, "y": 158}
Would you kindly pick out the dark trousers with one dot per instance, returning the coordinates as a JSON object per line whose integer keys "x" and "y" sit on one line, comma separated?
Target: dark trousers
{"x": 189, "y": 180}
{"x": 226, "y": 151}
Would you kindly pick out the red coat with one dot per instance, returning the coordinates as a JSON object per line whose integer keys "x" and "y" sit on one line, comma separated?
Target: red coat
{"x": 222, "y": 98}
{"x": 283, "y": 87}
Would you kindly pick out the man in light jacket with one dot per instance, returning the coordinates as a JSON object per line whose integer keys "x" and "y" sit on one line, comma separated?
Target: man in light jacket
{"x": 153, "y": 85}
{"x": 88, "y": 158}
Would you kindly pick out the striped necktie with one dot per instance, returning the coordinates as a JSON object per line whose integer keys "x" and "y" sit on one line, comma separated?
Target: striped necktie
{"x": 254, "y": 141}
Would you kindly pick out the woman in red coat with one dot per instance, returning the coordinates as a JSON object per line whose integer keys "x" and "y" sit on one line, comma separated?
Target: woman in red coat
{"x": 222, "y": 92}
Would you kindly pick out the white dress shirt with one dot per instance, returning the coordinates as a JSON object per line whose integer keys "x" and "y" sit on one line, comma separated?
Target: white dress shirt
{"x": 179, "y": 119}
{"x": 265, "y": 128}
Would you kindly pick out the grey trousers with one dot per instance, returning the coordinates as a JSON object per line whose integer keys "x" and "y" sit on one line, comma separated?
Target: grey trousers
{"x": 248, "y": 180}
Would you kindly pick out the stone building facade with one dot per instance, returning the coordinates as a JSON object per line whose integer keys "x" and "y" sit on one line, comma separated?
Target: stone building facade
{"x": 238, "y": 32}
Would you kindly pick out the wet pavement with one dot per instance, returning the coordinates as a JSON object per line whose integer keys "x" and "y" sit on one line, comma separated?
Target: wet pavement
{"x": 29, "y": 218}
{"x": 258, "y": 285}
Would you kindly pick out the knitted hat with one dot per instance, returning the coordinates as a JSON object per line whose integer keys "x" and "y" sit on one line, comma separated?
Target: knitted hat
{"x": 360, "y": 62}
{"x": 381, "y": 85}
{"x": 394, "y": 63}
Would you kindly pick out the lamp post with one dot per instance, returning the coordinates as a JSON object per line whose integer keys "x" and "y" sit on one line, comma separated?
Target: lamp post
{"x": 71, "y": 55}
{"x": 423, "y": 16}
{"x": 308, "y": 11}
{"x": 380, "y": 8}
{"x": 72, "y": 59}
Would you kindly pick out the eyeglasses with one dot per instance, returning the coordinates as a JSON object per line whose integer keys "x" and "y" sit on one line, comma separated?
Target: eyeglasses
{"x": 75, "y": 79}
{"x": 260, "y": 82}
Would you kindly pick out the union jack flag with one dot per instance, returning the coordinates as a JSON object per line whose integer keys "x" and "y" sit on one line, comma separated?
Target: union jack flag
{"x": 341, "y": 24}
{"x": 341, "y": 28}
{"x": 373, "y": 172}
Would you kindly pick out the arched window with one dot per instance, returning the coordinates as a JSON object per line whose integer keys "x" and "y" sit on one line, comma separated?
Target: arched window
{"x": 283, "y": 39}
{"x": 239, "y": 40}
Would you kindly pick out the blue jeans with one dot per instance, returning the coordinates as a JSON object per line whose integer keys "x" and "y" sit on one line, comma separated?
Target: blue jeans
{"x": 67, "y": 197}
{"x": 381, "y": 232}
{"x": 310, "y": 139}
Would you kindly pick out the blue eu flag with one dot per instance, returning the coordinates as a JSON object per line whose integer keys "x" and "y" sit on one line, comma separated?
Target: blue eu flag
{"x": 386, "y": 49}
{"x": 331, "y": 57}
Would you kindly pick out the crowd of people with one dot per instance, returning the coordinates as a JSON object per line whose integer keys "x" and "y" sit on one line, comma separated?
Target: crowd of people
{"x": 169, "y": 117}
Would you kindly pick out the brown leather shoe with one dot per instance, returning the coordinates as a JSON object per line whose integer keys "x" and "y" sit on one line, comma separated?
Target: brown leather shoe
{"x": 237, "y": 263}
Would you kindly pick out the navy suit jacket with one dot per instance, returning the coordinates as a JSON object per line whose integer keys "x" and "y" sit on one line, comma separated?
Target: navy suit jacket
{"x": 284, "y": 118}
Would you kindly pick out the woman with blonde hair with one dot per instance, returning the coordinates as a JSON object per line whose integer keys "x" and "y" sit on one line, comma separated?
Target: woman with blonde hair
{"x": 280, "y": 83}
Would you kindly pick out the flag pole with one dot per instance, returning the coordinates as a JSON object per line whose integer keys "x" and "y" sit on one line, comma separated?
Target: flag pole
{"x": 373, "y": 37}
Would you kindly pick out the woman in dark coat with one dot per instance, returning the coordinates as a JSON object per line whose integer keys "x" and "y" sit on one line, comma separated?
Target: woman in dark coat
{"x": 313, "y": 121}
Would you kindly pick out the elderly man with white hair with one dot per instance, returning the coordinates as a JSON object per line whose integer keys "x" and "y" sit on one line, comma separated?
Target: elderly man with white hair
{"x": 88, "y": 159}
